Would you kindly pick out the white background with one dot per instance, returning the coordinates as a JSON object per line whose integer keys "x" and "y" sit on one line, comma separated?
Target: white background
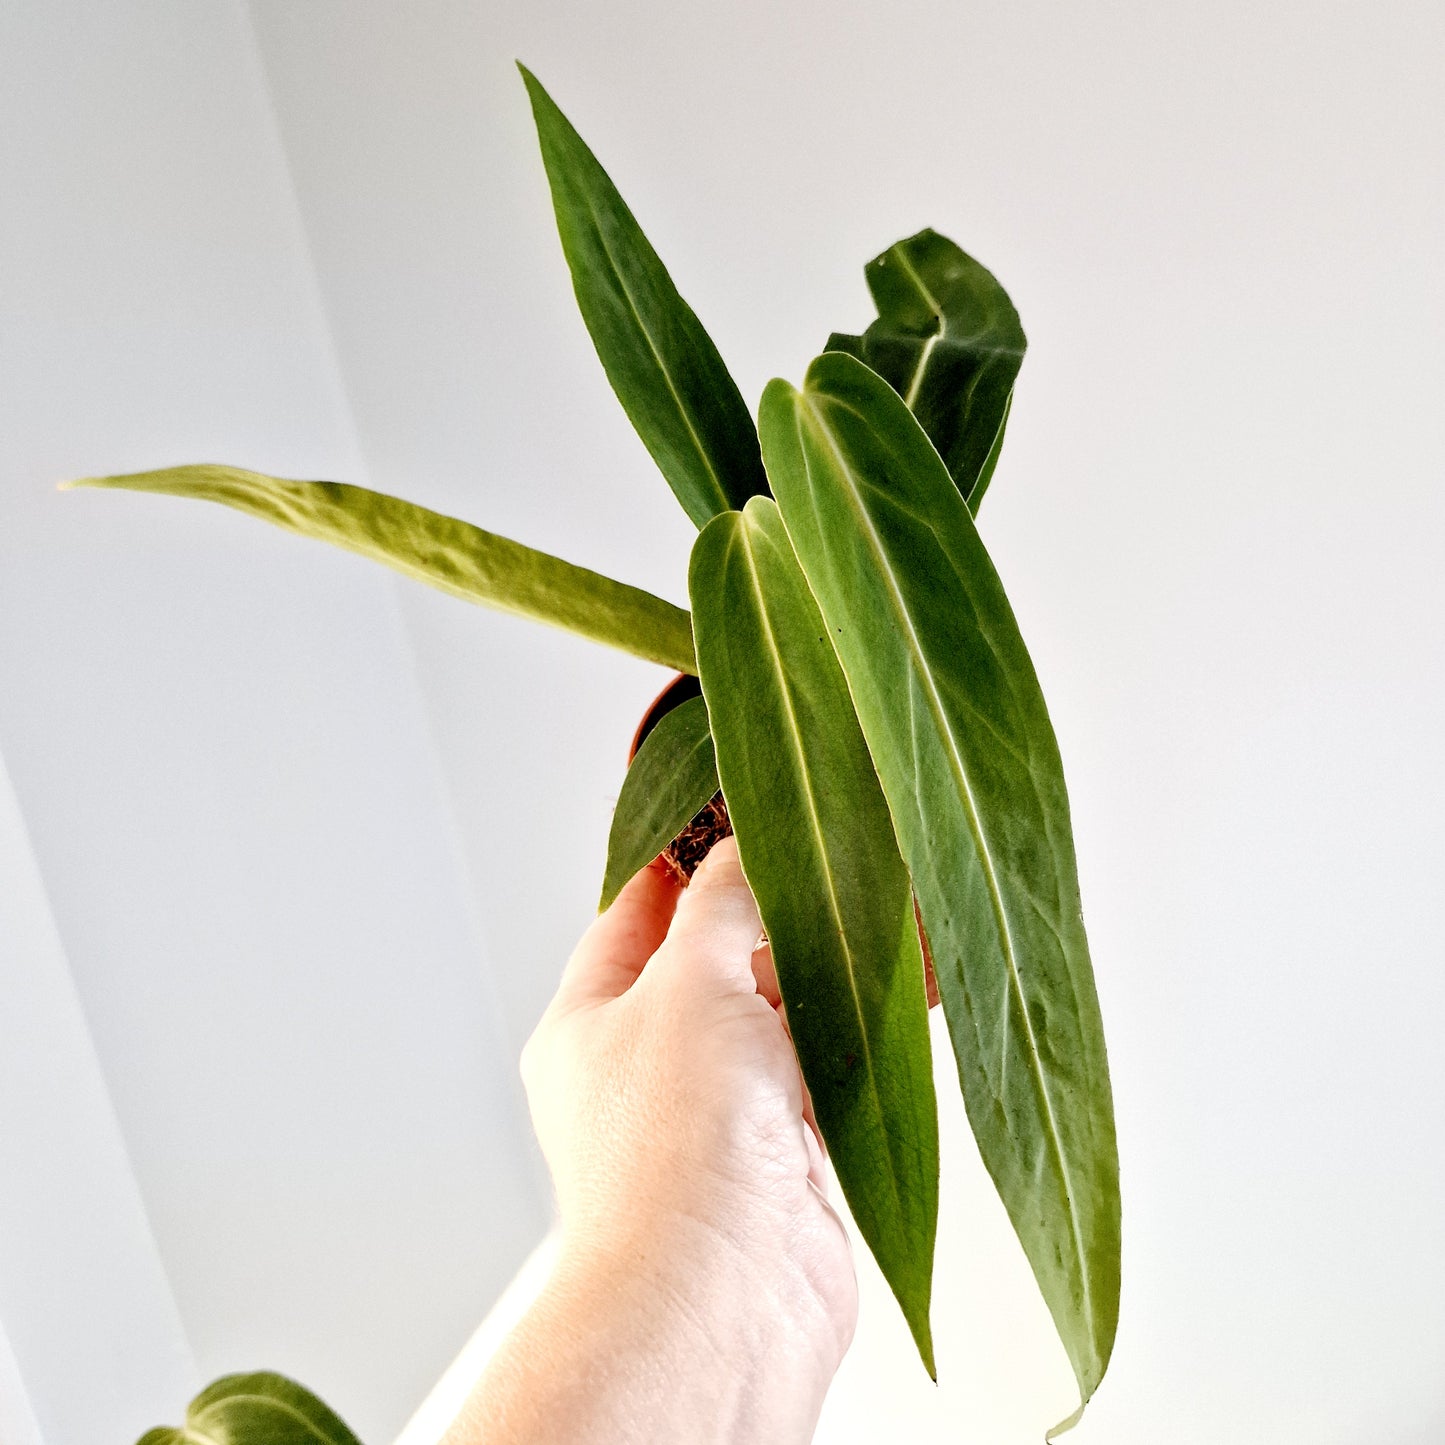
{"x": 294, "y": 851}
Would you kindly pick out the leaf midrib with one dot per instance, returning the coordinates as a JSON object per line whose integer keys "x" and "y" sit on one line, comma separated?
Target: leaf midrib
{"x": 935, "y": 305}
{"x": 935, "y": 703}
{"x": 942, "y": 334}
{"x": 915, "y": 383}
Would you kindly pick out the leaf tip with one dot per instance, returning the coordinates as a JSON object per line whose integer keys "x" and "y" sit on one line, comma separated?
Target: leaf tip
{"x": 920, "y": 1326}
{"x": 1064, "y": 1426}
{"x": 545, "y": 111}
{"x": 536, "y": 91}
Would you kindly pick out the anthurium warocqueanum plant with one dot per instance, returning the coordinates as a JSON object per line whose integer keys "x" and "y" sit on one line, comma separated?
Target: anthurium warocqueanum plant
{"x": 868, "y": 711}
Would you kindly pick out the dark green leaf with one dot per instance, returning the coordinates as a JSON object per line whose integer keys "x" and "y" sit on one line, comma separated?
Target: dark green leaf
{"x": 956, "y": 724}
{"x": 663, "y": 366}
{"x": 990, "y": 462}
{"x": 949, "y": 342}
{"x": 817, "y": 847}
{"x": 454, "y": 556}
{"x": 259, "y": 1409}
{"x": 671, "y": 780}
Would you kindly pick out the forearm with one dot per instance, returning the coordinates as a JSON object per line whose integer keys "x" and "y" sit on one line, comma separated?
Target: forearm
{"x": 652, "y": 1345}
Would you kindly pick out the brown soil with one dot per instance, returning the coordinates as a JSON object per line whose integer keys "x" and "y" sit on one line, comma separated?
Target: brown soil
{"x": 691, "y": 846}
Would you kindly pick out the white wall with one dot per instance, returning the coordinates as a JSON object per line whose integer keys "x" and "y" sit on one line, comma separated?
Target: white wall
{"x": 1219, "y": 515}
{"x": 90, "y": 1336}
{"x": 225, "y": 767}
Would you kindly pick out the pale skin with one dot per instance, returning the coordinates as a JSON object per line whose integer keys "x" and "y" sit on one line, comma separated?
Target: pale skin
{"x": 704, "y": 1291}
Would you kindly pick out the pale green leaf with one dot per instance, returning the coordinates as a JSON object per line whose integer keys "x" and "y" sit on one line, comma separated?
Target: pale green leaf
{"x": 948, "y": 340}
{"x": 257, "y": 1409}
{"x": 818, "y": 849}
{"x": 663, "y": 366}
{"x": 957, "y": 727}
{"x": 671, "y": 780}
{"x": 453, "y": 556}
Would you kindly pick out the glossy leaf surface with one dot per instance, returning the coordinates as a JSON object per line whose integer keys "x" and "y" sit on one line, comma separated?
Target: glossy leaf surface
{"x": 949, "y": 342}
{"x": 443, "y": 552}
{"x": 259, "y": 1409}
{"x": 671, "y": 780}
{"x": 818, "y": 849}
{"x": 956, "y": 724}
{"x": 663, "y": 366}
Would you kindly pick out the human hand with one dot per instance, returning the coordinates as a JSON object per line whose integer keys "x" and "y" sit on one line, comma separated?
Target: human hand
{"x": 668, "y": 1102}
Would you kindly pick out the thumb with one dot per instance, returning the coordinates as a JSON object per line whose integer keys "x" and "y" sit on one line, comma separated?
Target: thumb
{"x": 716, "y": 927}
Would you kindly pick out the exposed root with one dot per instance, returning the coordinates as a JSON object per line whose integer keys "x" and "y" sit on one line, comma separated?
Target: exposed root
{"x": 691, "y": 846}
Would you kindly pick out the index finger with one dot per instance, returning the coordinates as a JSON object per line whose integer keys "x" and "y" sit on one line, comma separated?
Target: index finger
{"x": 618, "y": 944}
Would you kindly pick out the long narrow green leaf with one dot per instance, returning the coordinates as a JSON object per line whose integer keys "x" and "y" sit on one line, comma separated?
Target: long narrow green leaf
{"x": 956, "y": 724}
{"x": 259, "y": 1409}
{"x": 671, "y": 780}
{"x": 453, "y": 556}
{"x": 663, "y": 366}
{"x": 817, "y": 847}
{"x": 949, "y": 342}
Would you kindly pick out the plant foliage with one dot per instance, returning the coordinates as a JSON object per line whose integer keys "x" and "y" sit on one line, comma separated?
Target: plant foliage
{"x": 874, "y": 721}
{"x": 663, "y": 366}
{"x": 948, "y": 341}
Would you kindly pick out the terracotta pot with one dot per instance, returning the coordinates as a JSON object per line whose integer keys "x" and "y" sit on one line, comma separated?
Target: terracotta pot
{"x": 682, "y": 688}
{"x": 687, "y": 850}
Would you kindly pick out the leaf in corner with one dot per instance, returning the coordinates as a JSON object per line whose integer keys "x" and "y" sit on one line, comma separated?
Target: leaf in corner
{"x": 663, "y": 366}
{"x": 949, "y": 342}
{"x": 255, "y": 1409}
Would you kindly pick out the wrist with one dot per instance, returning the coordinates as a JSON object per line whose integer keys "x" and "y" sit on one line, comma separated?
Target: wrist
{"x": 699, "y": 1330}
